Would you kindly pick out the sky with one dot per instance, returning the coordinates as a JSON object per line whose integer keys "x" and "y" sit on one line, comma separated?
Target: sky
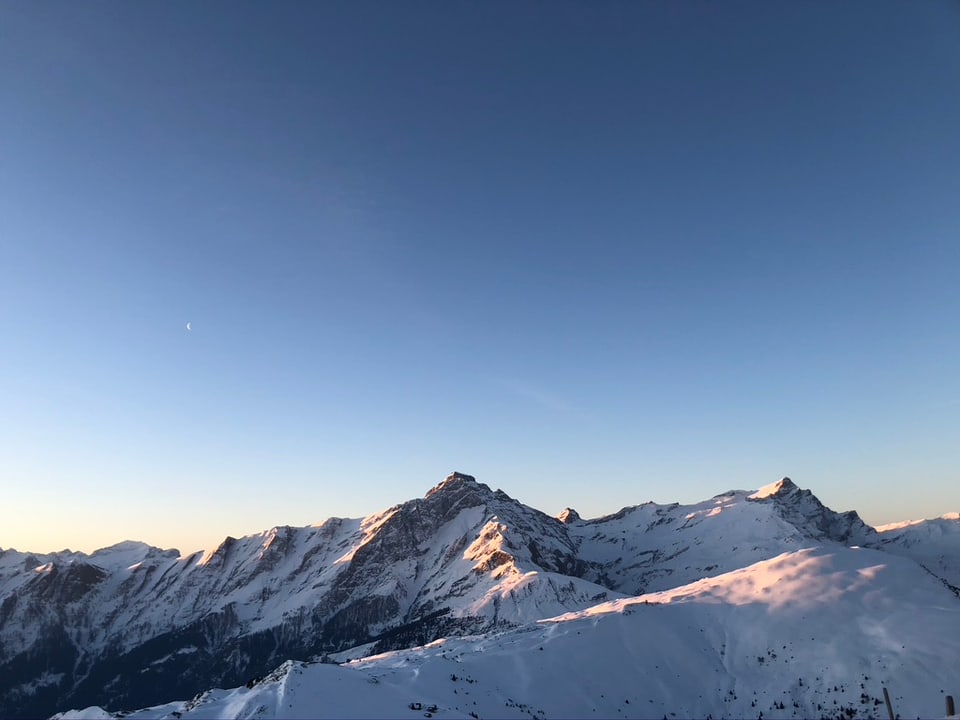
{"x": 594, "y": 254}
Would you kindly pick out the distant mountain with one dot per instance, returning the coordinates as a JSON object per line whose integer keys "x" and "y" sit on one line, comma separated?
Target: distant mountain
{"x": 654, "y": 547}
{"x": 132, "y": 626}
{"x": 814, "y": 633}
{"x": 934, "y": 544}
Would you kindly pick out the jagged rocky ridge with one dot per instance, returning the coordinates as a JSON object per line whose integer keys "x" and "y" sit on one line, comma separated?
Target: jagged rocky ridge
{"x": 131, "y": 625}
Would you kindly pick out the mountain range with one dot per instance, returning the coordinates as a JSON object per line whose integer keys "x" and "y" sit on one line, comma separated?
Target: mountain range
{"x": 470, "y": 573}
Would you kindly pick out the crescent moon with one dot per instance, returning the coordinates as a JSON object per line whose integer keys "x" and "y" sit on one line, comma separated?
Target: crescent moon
{"x": 189, "y": 328}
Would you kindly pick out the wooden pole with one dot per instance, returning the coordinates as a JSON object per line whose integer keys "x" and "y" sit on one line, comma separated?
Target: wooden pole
{"x": 886, "y": 699}
{"x": 951, "y": 711}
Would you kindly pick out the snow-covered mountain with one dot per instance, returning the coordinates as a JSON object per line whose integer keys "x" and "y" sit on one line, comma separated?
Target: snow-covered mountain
{"x": 655, "y": 547}
{"x": 132, "y": 626}
{"x": 810, "y": 633}
{"x": 935, "y": 544}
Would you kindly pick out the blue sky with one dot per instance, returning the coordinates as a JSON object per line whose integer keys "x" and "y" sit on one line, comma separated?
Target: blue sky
{"x": 593, "y": 254}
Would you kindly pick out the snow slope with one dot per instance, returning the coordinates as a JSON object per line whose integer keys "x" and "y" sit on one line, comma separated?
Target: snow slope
{"x": 935, "y": 544}
{"x": 816, "y": 632}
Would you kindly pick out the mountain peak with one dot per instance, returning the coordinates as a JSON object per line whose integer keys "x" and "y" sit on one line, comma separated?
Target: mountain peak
{"x": 455, "y": 481}
{"x": 783, "y": 486}
{"x": 457, "y": 491}
{"x": 803, "y": 510}
{"x": 568, "y": 515}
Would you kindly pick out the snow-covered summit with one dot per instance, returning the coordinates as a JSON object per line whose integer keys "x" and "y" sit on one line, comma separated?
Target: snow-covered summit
{"x": 933, "y": 543}
{"x": 568, "y": 515}
{"x": 782, "y": 486}
{"x": 457, "y": 482}
{"x": 802, "y": 509}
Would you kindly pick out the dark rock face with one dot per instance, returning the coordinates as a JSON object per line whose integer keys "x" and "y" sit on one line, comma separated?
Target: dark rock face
{"x": 132, "y": 626}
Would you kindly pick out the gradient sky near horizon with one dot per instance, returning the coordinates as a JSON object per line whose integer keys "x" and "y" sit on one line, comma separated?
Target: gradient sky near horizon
{"x": 591, "y": 253}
